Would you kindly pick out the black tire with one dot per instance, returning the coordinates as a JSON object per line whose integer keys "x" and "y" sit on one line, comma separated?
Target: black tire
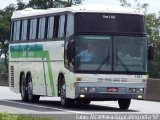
{"x": 124, "y": 103}
{"x": 65, "y": 102}
{"x": 32, "y": 98}
{"x": 24, "y": 89}
{"x": 85, "y": 102}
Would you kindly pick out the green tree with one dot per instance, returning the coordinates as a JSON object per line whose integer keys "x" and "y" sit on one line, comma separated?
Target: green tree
{"x": 2, "y": 66}
{"x": 136, "y": 5}
{"x": 44, "y": 4}
{"x": 153, "y": 36}
{"x": 5, "y": 16}
{"x": 124, "y": 3}
{"x": 21, "y": 5}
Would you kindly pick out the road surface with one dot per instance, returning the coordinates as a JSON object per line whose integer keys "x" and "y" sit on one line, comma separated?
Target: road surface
{"x": 11, "y": 103}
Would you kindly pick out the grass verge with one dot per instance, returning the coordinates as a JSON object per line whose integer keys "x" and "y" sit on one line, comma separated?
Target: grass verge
{"x": 7, "y": 116}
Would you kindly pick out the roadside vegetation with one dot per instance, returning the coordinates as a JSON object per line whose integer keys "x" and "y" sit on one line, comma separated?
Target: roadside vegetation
{"x": 6, "y": 116}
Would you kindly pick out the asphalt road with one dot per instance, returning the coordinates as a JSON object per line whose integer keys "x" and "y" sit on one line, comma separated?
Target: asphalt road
{"x": 11, "y": 103}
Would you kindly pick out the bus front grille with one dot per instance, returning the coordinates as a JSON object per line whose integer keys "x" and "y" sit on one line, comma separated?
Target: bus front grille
{"x": 12, "y": 76}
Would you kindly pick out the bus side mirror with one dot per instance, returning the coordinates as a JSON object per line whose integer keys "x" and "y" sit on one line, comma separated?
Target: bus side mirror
{"x": 150, "y": 52}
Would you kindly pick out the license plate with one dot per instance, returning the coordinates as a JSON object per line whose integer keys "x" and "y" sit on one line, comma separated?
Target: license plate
{"x": 112, "y": 89}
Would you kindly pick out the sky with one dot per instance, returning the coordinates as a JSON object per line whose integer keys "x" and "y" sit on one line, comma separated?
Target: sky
{"x": 154, "y": 5}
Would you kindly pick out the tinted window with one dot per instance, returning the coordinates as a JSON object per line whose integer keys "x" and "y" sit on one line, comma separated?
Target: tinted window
{"x": 70, "y": 25}
{"x": 130, "y": 54}
{"x": 94, "y": 53}
{"x": 16, "y": 30}
{"x": 12, "y": 26}
{"x": 69, "y": 54}
{"x": 61, "y": 26}
{"x": 50, "y": 27}
{"x": 41, "y": 31}
{"x": 33, "y": 27}
{"x": 111, "y": 23}
{"x": 24, "y": 30}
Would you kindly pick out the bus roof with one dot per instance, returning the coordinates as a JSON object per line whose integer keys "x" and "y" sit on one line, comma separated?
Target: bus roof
{"x": 82, "y": 8}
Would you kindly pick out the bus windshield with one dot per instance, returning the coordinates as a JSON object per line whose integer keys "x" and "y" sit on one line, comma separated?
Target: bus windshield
{"x": 110, "y": 53}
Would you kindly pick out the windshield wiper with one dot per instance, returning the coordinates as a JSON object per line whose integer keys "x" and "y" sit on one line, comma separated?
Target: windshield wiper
{"x": 122, "y": 63}
{"x": 106, "y": 59}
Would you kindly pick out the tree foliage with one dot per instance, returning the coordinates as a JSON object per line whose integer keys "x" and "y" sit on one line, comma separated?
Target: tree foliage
{"x": 44, "y": 4}
{"x": 5, "y": 16}
{"x": 124, "y": 3}
{"x": 153, "y": 35}
{"x": 20, "y": 5}
{"x": 136, "y": 5}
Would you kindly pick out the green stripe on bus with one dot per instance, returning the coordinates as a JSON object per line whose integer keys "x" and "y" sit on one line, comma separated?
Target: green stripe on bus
{"x": 14, "y": 48}
{"x": 30, "y": 54}
{"x": 50, "y": 72}
{"x": 45, "y": 79}
{"x": 17, "y": 48}
{"x": 33, "y": 51}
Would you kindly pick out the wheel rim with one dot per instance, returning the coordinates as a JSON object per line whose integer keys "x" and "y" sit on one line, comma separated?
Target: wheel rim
{"x": 30, "y": 89}
{"x": 63, "y": 93}
{"x": 22, "y": 87}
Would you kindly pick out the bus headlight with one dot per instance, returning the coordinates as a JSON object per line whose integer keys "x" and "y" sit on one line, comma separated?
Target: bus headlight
{"x": 83, "y": 89}
{"x": 136, "y": 90}
{"x": 82, "y": 96}
{"x": 139, "y": 90}
{"x": 91, "y": 89}
{"x": 132, "y": 90}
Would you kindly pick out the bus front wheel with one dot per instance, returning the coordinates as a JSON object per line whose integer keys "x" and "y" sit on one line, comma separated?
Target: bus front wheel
{"x": 65, "y": 102}
{"x": 124, "y": 103}
{"x": 23, "y": 88}
{"x": 32, "y": 98}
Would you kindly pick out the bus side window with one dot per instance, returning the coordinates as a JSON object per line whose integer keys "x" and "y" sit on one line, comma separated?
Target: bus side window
{"x": 24, "y": 30}
{"x": 69, "y": 54}
{"x": 16, "y": 32}
{"x": 41, "y": 31}
{"x": 11, "y": 31}
{"x": 56, "y": 26}
{"x": 33, "y": 27}
{"x": 70, "y": 25}
{"x": 50, "y": 27}
{"x": 61, "y": 26}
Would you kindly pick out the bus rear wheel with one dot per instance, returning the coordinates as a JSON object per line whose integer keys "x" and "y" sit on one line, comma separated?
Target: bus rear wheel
{"x": 32, "y": 98}
{"x": 23, "y": 89}
{"x": 124, "y": 103}
{"x": 65, "y": 102}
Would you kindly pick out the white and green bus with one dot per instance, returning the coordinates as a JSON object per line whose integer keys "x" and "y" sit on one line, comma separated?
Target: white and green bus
{"x": 44, "y": 54}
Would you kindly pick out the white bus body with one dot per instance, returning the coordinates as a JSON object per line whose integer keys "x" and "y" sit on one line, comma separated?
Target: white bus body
{"x": 37, "y": 55}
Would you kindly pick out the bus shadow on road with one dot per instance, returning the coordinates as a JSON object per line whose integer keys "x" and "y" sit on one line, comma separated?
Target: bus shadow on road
{"x": 82, "y": 107}
{"x": 25, "y": 106}
{"x": 45, "y": 105}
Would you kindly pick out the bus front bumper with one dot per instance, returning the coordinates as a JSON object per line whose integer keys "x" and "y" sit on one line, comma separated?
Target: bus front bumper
{"x": 110, "y": 91}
